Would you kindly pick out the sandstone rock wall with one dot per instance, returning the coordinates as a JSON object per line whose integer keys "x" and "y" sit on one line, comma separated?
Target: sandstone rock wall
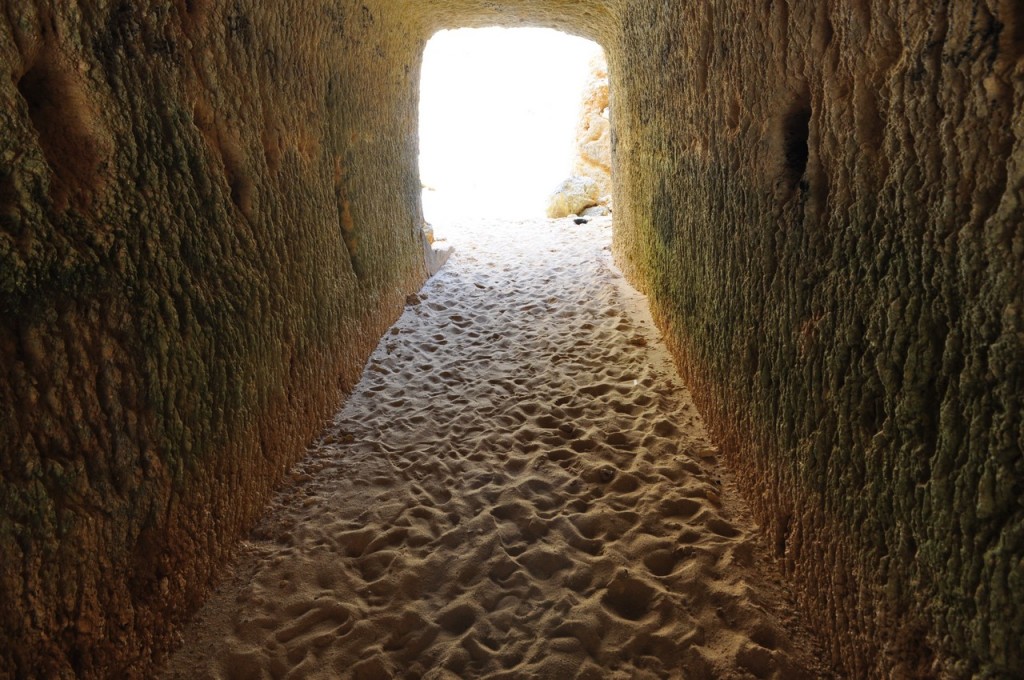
{"x": 825, "y": 201}
{"x": 594, "y": 133}
{"x": 208, "y": 215}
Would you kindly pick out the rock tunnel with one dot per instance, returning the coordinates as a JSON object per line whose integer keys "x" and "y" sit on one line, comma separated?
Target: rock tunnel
{"x": 210, "y": 213}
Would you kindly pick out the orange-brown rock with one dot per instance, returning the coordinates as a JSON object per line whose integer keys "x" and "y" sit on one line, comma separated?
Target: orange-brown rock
{"x": 594, "y": 134}
{"x": 196, "y": 258}
{"x": 572, "y": 197}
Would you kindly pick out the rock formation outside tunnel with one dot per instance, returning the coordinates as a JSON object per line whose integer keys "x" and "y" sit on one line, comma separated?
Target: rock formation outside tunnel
{"x": 500, "y": 111}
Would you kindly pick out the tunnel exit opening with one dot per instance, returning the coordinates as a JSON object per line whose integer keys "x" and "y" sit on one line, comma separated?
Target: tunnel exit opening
{"x": 506, "y": 117}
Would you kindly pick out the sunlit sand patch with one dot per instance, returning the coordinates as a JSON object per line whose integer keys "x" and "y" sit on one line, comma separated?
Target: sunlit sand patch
{"x": 519, "y": 487}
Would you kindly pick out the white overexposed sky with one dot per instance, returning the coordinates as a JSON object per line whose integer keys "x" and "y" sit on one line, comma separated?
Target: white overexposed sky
{"x": 498, "y": 115}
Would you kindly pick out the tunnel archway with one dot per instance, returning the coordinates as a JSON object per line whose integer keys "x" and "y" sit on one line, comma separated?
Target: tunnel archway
{"x": 502, "y": 120}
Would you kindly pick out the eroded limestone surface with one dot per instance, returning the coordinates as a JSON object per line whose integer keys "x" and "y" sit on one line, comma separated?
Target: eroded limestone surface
{"x": 594, "y": 133}
{"x": 825, "y": 202}
{"x": 207, "y": 219}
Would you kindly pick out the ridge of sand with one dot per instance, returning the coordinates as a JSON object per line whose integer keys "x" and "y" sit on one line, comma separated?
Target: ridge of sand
{"x": 519, "y": 487}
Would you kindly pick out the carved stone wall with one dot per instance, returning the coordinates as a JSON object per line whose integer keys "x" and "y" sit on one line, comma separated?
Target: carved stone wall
{"x": 208, "y": 216}
{"x": 825, "y": 202}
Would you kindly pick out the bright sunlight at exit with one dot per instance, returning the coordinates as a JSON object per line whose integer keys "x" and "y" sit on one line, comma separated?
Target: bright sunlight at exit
{"x": 506, "y": 117}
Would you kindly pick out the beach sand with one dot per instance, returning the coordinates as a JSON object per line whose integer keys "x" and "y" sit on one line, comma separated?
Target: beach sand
{"x": 519, "y": 487}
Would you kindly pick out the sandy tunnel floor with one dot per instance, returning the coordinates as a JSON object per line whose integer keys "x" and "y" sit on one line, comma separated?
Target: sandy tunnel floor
{"x": 520, "y": 487}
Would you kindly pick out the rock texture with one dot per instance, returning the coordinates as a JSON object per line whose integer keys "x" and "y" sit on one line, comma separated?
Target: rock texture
{"x": 825, "y": 201}
{"x": 208, "y": 216}
{"x": 572, "y": 197}
{"x": 209, "y": 212}
{"x": 594, "y": 134}
{"x": 590, "y": 186}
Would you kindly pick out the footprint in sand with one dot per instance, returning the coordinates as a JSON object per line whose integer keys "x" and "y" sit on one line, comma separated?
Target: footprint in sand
{"x": 514, "y": 490}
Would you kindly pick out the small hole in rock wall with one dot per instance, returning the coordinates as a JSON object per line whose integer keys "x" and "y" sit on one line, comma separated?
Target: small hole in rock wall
{"x": 795, "y": 132}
